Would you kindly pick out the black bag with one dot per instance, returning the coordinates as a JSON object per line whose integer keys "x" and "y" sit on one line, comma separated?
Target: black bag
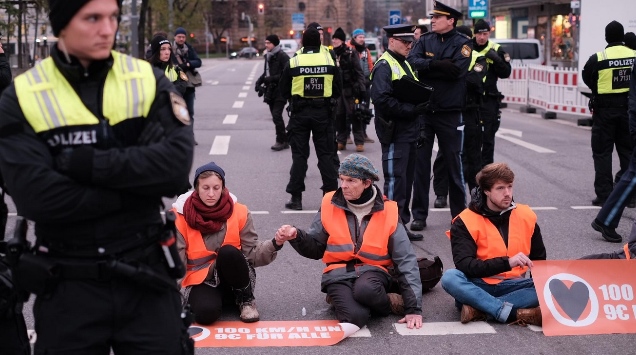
{"x": 430, "y": 274}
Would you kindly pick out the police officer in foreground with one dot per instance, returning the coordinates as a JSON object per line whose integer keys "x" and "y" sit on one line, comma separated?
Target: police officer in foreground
{"x": 607, "y": 74}
{"x": 442, "y": 58}
{"x": 396, "y": 121}
{"x": 88, "y": 160}
{"x": 310, "y": 82}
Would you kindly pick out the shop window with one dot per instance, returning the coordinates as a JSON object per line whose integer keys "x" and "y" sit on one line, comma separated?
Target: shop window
{"x": 563, "y": 47}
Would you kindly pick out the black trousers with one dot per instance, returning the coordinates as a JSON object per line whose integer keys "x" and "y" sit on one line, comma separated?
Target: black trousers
{"x": 13, "y": 333}
{"x": 206, "y": 302}
{"x": 491, "y": 120}
{"x": 398, "y": 168}
{"x": 345, "y": 125}
{"x": 610, "y": 128}
{"x": 449, "y": 128}
{"x": 355, "y": 299}
{"x": 86, "y": 316}
{"x": 317, "y": 123}
{"x": 276, "y": 108}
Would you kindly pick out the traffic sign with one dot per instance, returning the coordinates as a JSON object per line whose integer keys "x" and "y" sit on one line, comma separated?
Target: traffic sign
{"x": 298, "y": 17}
{"x": 478, "y": 9}
{"x": 395, "y": 17}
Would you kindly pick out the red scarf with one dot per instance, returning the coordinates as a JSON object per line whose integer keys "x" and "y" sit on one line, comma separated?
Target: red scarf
{"x": 208, "y": 219}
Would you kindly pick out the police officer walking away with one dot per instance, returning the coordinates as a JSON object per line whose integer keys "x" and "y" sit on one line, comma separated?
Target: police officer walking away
{"x": 396, "y": 121}
{"x": 267, "y": 86}
{"x": 607, "y": 74}
{"x": 88, "y": 159}
{"x": 498, "y": 68}
{"x": 311, "y": 82}
{"x": 442, "y": 58}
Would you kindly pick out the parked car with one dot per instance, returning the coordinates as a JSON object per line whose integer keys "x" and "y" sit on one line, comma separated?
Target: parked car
{"x": 289, "y": 46}
{"x": 247, "y": 52}
{"x": 373, "y": 44}
{"x": 523, "y": 51}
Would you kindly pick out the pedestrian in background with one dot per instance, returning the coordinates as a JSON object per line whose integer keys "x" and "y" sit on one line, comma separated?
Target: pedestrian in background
{"x": 275, "y": 61}
{"x": 607, "y": 74}
{"x": 366, "y": 64}
{"x": 161, "y": 57}
{"x": 5, "y": 80}
{"x": 312, "y": 112}
{"x": 188, "y": 59}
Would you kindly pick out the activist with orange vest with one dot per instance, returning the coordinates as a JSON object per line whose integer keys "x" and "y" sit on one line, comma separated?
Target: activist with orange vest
{"x": 218, "y": 244}
{"x": 358, "y": 235}
{"x": 494, "y": 242}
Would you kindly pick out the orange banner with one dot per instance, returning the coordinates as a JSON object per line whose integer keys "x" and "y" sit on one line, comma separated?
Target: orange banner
{"x": 586, "y": 296}
{"x": 263, "y": 333}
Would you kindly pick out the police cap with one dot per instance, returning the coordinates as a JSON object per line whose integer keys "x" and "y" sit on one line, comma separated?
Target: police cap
{"x": 401, "y": 31}
{"x": 441, "y": 9}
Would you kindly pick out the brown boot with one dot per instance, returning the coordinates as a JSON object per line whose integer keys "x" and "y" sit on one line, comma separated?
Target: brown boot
{"x": 397, "y": 303}
{"x": 360, "y": 148}
{"x": 471, "y": 314}
{"x": 249, "y": 314}
{"x": 527, "y": 316}
{"x": 341, "y": 146}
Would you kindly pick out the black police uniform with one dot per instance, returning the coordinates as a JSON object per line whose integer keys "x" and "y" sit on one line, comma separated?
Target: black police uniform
{"x": 94, "y": 192}
{"x": 429, "y": 56}
{"x": 396, "y": 126}
{"x": 311, "y": 116}
{"x": 353, "y": 87}
{"x": 274, "y": 65}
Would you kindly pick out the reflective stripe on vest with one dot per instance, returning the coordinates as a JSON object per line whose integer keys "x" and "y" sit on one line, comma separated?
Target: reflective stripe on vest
{"x": 48, "y": 101}
{"x": 198, "y": 257}
{"x": 396, "y": 69}
{"x": 171, "y": 73}
{"x": 614, "y": 69}
{"x": 628, "y": 254}
{"x": 340, "y": 248}
{"x": 312, "y": 74}
{"x": 490, "y": 243}
{"x": 475, "y": 55}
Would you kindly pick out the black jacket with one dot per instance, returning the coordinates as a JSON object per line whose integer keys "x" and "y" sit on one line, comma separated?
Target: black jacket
{"x": 192, "y": 58}
{"x": 449, "y": 90}
{"x": 180, "y": 85}
{"x": 464, "y": 247}
{"x": 285, "y": 82}
{"x": 275, "y": 63}
{"x": 5, "y": 73}
{"x": 110, "y": 195}
{"x": 498, "y": 69}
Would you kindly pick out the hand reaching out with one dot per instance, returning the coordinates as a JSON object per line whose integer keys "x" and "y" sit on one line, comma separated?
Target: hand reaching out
{"x": 412, "y": 321}
{"x": 285, "y": 233}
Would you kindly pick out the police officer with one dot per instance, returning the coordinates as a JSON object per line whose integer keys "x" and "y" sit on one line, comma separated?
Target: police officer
{"x": 498, "y": 68}
{"x": 396, "y": 121}
{"x": 442, "y": 58}
{"x": 91, "y": 141}
{"x": 607, "y": 74}
{"x": 310, "y": 81}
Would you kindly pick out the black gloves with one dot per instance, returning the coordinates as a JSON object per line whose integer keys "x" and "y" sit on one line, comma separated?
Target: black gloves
{"x": 76, "y": 163}
{"x": 421, "y": 139}
{"x": 152, "y": 133}
{"x": 446, "y": 66}
{"x": 493, "y": 55}
{"x": 420, "y": 109}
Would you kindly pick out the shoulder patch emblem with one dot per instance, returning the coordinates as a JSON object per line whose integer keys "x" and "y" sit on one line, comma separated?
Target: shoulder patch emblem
{"x": 507, "y": 57}
{"x": 179, "y": 108}
{"x": 183, "y": 75}
{"x": 478, "y": 68}
{"x": 429, "y": 54}
{"x": 466, "y": 51}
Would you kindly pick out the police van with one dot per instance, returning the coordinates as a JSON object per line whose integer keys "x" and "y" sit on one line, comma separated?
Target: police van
{"x": 289, "y": 46}
{"x": 373, "y": 44}
{"x": 522, "y": 51}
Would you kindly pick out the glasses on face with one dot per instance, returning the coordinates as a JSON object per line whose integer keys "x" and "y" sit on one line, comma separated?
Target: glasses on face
{"x": 406, "y": 43}
{"x": 268, "y": 42}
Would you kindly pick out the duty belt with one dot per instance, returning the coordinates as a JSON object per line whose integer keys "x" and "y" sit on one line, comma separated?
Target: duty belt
{"x": 317, "y": 103}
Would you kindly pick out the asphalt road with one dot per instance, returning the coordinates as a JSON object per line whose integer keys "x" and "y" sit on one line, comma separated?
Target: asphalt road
{"x": 552, "y": 161}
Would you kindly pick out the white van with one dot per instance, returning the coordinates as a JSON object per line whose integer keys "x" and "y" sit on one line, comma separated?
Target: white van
{"x": 523, "y": 51}
{"x": 289, "y": 46}
{"x": 373, "y": 44}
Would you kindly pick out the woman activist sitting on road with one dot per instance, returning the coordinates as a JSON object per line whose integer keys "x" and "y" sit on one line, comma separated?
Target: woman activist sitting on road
{"x": 218, "y": 244}
{"x": 162, "y": 58}
{"x": 358, "y": 235}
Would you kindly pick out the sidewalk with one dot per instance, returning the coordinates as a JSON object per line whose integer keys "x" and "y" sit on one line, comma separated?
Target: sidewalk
{"x": 581, "y": 120}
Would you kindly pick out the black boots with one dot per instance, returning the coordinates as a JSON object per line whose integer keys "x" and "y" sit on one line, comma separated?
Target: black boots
{"x": 247, "y": 305}
{"x": 280, "y": 146}
{"x": 296, "y": 203}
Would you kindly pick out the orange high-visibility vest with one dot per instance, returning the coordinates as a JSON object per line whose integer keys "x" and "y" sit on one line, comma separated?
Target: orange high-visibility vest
{"x": 628, "y": 254}
{"x": 374, "y": 249}
{"x": 198, "y": 257}
{"x": 490, "y": 243}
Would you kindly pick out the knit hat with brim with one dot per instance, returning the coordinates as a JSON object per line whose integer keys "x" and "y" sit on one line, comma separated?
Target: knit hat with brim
{"x": 359, "y": 167}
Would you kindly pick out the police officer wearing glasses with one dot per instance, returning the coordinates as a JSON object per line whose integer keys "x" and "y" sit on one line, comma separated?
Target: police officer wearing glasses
{"x": 441, "y": 58}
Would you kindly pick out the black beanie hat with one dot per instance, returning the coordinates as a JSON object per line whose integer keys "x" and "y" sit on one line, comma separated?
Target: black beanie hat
{"x": 61, "y": 12}
{"x": 211, "y": 166}
{"x": 273, "y": 39}
{"x": 339, "y": 34}
{"x": 156, "y": 43}
{"x": 482, "y": 26}
{"x": 614, "y": 32}
{"x": 311, "y": 37}
{"x": 315, "y": 25}
{"x": 630, "y": 40}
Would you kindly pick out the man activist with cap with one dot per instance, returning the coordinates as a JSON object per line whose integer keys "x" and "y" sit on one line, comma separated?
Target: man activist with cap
{"x": 89, "y": 160}
{"x": 396, "y": 121}
{"x": 310, "y": 82}
{"x": 441, "y": 58}
{"x": 607, "y": 74}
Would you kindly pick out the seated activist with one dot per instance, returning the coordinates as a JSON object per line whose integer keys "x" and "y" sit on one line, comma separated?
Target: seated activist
{"x": 359, "y": 235}
{"x": 627, "y": 252}
{"x": 493, "y": 242}
{"x": 162, "y": 58}
{"x": 218, "y": 244}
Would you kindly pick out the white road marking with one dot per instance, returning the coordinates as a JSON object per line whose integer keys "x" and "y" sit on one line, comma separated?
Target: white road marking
{"x": 248, "y": 82}
{"x": 300, "y": 212}
{"x": 251, "y": 77}
{"x": 238, "y": 104}
{"x": 364, "y": 332}
{"x": 543, "y": 208}
{"x": 535, "y": 328}
{"x": 446, "y": 328}
{"x": 242, "y": 94}
{"x": 585, "y": 207}
{"x": 524, "y": 144}
{"x": 220, "y": 146}
{"x": 246, "y": 87}
{"x": 259, "y": 212}
{"x": 230, "y": 119}
{"x": 512, "y": 132}
{"x": 439, "y": 209}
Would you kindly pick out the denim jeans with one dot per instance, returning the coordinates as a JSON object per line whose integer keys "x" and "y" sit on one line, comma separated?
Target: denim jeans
{"x": 495, "y": 300}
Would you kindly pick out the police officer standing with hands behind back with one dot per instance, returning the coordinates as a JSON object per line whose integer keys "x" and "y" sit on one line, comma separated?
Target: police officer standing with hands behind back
{"x": 441, "y": 58}
{"x": 91, "y": 141}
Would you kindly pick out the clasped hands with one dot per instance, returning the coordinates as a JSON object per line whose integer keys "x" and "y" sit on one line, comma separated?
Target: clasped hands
{"x": 285, "y": 233}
